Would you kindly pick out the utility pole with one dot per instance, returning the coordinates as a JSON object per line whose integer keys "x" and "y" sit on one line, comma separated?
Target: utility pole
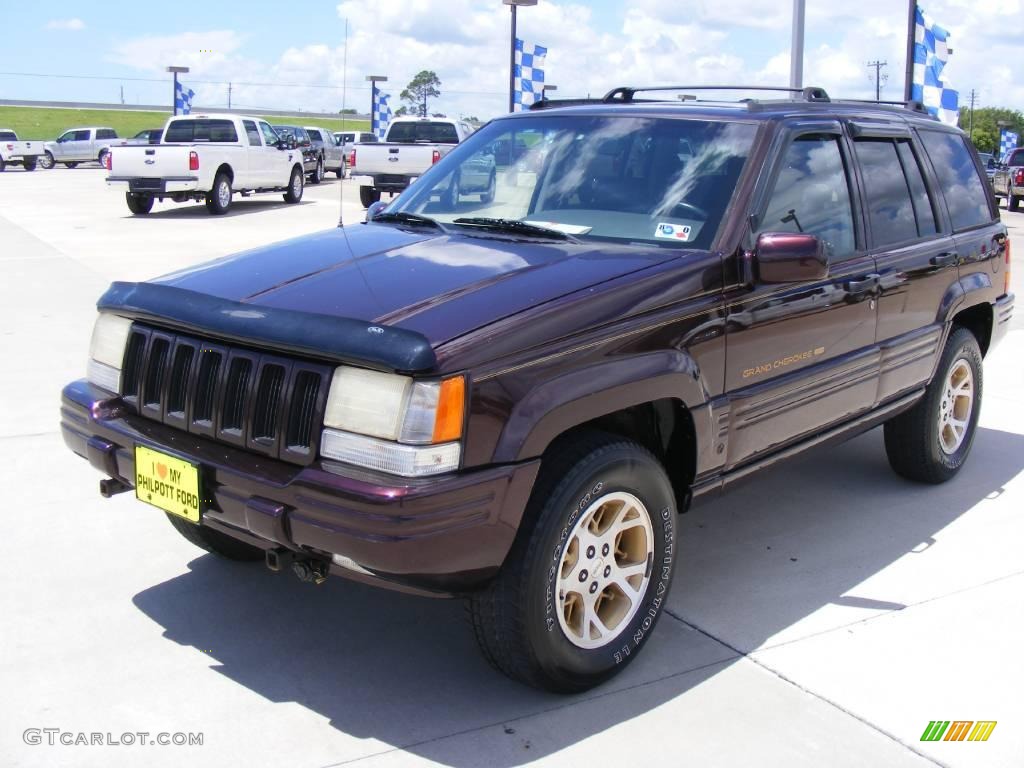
{"x": 970, "y": 130}
{"x": 879, "y": 78}
{"x": 229, "y": 96}
{"x": 122, "y": 94}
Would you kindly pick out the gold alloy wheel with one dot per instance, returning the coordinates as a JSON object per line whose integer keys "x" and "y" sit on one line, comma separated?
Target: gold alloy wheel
{"x": 605, "y": 570}
{"x": 956, "y": 407}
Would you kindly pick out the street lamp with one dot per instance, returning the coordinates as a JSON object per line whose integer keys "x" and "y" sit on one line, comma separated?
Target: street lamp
{"x": 174, "y": 92}
{"x": 373, "y": 80}
{"x": 512, "y": 51}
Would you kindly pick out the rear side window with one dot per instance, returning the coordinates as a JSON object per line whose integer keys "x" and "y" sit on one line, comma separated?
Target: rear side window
{"x": 812, "y": 195}
{"x": 427, "y": 132}
{"x": 8, "y": 136}
{"x": 889, "y": 202}
{"x": 106, "y": 133}
{"x": 251, "y": 132}
{"x": 1017, "y": 158}
{"x": 315, "y": 136}
{"x": 959, "y": 178}
{"x": 924, "y": 206}
{"x": 201, "y": 130}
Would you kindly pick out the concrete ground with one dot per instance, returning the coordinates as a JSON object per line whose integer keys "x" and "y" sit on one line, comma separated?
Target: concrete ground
{"x": 822, "y": 614}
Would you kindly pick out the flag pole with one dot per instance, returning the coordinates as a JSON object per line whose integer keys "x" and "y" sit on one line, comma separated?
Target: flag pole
{"x": 908, "y": 83}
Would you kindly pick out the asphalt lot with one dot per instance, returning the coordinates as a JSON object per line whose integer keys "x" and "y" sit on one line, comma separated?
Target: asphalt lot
{"x": 822, "y": 614}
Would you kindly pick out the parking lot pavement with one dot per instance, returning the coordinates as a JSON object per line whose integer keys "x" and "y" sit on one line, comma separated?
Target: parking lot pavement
{"x": 822, "y": 614}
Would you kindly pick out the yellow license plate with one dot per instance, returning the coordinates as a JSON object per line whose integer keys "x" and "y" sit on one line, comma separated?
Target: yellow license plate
{"x": 167, "y": 482}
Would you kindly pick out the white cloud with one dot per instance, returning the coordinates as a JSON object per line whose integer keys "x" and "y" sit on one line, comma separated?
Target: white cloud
{"x": 67, "y": 25}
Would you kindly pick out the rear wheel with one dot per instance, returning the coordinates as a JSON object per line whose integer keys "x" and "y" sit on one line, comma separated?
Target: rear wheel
{"x": 318, "y": 173}
{"x": 930, "y": 442}
{"x": 368, "y": 196}
{"x": 30, "y": 164}
{"x": 71, "y": 165}
{"x": 218, "y": 199}
{"x": 215, "y": 541}
{"x": 3, "y": 165}
{"x": 139, "y": 204}
{"x": 590, "y": 570}
{"x": 295, "y": 187}
{"x": 102, "y": 158}
{"x": 340, "y": 173}
{"x": 487, "y": 197}
{"x": 1012, "y": 201}
{"x": 47, "y": 160}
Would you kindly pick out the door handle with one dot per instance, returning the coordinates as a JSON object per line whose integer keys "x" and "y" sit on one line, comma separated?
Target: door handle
{"x": 945, "y": 259}
{"x": 862, "y": 286}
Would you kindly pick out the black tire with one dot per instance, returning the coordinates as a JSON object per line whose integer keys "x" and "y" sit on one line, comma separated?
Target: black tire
{"x": 47, "y": 160}
{"x": 487, "y": 196}
{"x": 450, "y": 197}
{"x": 139, "y": 204}
{"x": 340, "y": 173}
{"x": 71, "y": 165}
{"x": 1012, "y": 201}
{"x": 296, "y": 186}
{"x": 913, "y": 439}
{"x": 518, "y": 618}
{"x": 29, "y": 165}
{"x": 215, "y": 541}
{"x": 101, "y": 158}
{"x": 368, "y": 196}
{"x": 3, "y": 165}
{"x": 218, "y": 199}
{"x": 318, "y": 173}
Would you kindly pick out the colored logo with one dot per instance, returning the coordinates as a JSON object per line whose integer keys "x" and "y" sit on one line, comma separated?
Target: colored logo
{"x": 958, "y": 730}
{"x": 673, "y": 232}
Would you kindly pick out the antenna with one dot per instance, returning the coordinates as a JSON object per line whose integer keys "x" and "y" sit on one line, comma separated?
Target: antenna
{"x": 344, "y": 106}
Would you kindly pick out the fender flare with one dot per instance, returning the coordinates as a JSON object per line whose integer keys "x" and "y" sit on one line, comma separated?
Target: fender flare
{"x": 589, "y": 392}
{"x": 964, "y": 293}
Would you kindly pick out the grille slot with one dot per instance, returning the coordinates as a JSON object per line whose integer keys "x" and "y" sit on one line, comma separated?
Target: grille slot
{"x": 265, "y": 403}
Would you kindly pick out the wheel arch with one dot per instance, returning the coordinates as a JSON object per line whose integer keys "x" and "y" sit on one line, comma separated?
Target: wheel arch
{"x": 966, "y": 304}
{"x": 979, "y": 320}
{"x": 225, "y": 168}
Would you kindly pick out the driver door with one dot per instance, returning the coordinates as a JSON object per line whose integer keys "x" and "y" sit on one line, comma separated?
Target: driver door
{"x": 275, "y": 164}
{"x": 802, "y": 357}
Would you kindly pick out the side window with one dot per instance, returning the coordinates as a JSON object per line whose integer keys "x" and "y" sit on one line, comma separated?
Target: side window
{"x": 269, "y": 136}
{"x": 80, "y": 136}
{"x": 924, "y": 206}
{"x": 812, "y": 195}
{"x": 961, "y": 183}
{"x": 890, "y": 210}
{"x": 252, "y": 133}
{"x": 106, "y": 133}
{"x": 315, "y": 136}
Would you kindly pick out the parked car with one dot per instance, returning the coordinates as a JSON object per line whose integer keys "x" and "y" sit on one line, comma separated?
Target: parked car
{"x": 333, "y": 156}
{"x": 16, "y": 152}
{"x": 512, "y": 401}
{"x": 412, "y": 145}
{"x": 79, "y": 145}
{"x": 148, "y": 136}
{"x": 205, "y": 157}
{"x": 1008, "y": 179}
{"x": 312, "y": 158}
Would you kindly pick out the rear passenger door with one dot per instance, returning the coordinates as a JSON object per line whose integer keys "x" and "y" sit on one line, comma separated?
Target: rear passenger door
{"x": 801, "y": 357}
{"x": 910, "y": 239}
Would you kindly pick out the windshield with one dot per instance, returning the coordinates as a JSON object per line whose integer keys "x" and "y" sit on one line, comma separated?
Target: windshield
{"x": 201, "y": 130}
{"x": 650, "y": 181}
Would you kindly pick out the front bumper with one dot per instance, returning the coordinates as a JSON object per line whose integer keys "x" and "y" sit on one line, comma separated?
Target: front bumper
{"x": 157, "y": 187}
{"x": 447, "y": 534}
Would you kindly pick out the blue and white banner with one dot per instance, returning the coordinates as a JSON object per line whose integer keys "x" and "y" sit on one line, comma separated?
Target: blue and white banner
{"x": 529, "y": 75}
{"x": 1007, "y": 142}
{"x": 931, "y": 52}
{"x": 183, "y": 99}
{"x": 381, "y": 116}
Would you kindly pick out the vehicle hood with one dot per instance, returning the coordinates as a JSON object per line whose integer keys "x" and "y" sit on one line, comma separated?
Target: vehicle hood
{"x": 439, "y": 285}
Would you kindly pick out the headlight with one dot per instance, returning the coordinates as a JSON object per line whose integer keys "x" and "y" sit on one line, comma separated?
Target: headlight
{"x": 106, "y": 351}
{"x": 417, "y": 423}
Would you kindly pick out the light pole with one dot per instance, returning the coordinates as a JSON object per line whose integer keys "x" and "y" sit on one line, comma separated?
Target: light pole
{"x": 373, "y": 80}
{"x": 174, "y": 92}
{"x": 512, "y": 51}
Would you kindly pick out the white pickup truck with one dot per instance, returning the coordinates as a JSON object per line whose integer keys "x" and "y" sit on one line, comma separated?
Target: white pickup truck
{"x": 14, "y": 152}
{"x": 203, "y": 157}
{"x": 412, "y": 145}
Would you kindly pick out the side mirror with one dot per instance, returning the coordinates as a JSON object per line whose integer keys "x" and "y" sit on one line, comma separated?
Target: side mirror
{"x": 374, "y": 209}
{"x": 785, "y": 257}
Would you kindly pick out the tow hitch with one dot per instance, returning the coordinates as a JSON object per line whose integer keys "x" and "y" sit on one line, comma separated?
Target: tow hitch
{"x": 305, "y": 568}
{"x": 110, "y": 487}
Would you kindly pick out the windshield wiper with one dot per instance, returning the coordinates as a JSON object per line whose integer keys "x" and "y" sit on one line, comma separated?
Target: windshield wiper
{"x": 401, "y": 217}
{"x": 516, "y": 226}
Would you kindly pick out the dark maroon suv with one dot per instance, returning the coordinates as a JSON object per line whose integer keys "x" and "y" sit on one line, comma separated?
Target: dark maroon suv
{"x": 510, "y": 396}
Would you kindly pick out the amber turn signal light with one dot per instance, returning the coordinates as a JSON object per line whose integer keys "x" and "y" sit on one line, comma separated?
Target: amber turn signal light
{"x": 451, "y": 404}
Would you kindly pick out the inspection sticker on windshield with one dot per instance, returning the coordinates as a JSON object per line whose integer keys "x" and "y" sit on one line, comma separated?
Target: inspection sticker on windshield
{"x": 673, "y": 232}
{"x": 569, "y": 229}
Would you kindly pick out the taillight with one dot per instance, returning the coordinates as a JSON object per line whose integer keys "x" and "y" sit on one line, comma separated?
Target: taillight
{"x": 1018, "y": 178}
{"x": 108, "y": 160}
{"x": 10, "y": 147}
{"x": 352, "y": 159}
{"x": 437, "y": 157}
{"x": 193, "y": 161}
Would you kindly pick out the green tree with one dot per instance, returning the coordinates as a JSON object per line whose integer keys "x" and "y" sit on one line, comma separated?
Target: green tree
{"x": 426, "y": 85}
{"x": 985, "y": 129}
{"x": 401, "y": 112}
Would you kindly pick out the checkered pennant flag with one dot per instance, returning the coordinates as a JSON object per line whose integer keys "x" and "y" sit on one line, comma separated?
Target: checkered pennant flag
{"x": 529, "y": 74}
{"x": 931, "y": 52}
{"x": 183, "y": 100}
{"x": 1007, "y": 142}
{"x": 381, "y": 113}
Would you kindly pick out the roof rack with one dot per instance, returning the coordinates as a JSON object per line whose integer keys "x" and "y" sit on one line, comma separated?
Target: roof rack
{"x": 913, "y": 104}
{"x": 626, "y": 93}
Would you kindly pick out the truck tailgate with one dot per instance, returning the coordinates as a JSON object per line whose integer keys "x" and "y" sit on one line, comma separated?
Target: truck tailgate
{"x": 150, "y": 162}
{"x": 401, "y": 159}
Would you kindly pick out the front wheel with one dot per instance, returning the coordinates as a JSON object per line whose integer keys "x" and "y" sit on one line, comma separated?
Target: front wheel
{"x": 139, "y": 204}
{"x": 930, "y": 442}
{"x": 368, "y": 196}
{"x": 295, "y": 187}
{"x": 71, "y": 165}
{"x": 215, "y": 541}
{"x": 487, "y": 197}
{"x": 589, "y": 573}
{"x": 1012, "y": 201}
{"x": 218, "y": 199}
{"x": 47, "y": 160}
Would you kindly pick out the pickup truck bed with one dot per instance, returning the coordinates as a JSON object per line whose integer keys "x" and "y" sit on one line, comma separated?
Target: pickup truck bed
{"x": 15, "y": 152}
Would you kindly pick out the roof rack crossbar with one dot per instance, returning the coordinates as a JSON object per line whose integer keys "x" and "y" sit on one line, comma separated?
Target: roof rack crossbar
{"x": 625, "y": 93}
{"x": 913, "y": 104}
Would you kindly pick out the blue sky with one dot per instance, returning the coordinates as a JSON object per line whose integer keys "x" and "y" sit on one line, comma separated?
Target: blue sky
{"x": 593, "y": 46}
